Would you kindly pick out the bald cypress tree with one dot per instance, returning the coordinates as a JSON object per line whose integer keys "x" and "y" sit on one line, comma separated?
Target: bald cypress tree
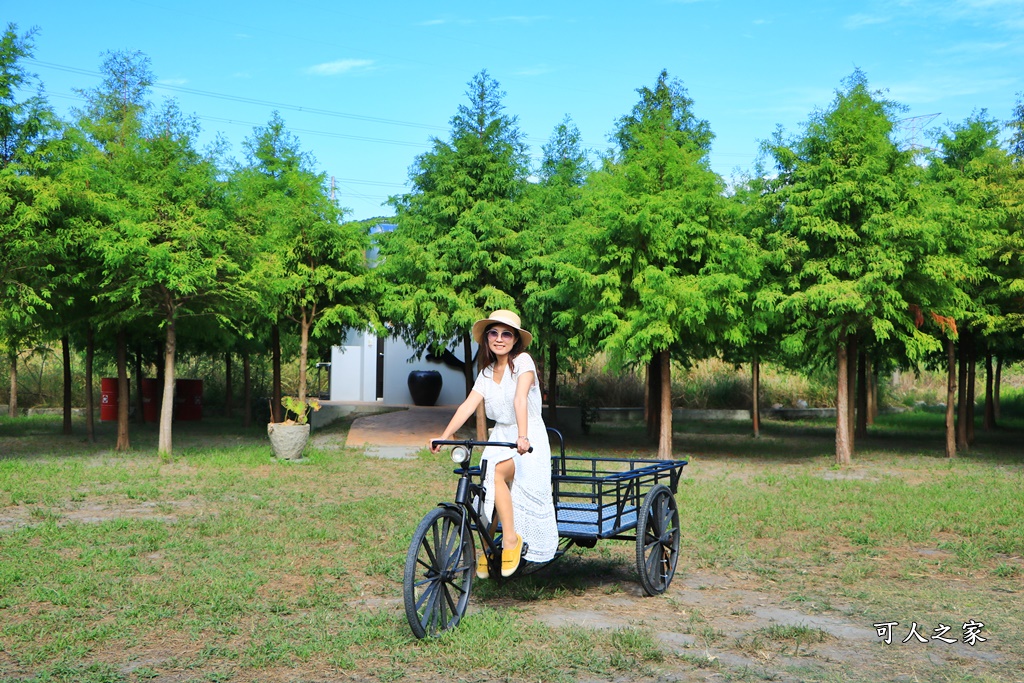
{"x": 451, "y": 260}
{"x": 655, "y": 280}
{"x": 844, "y": 193}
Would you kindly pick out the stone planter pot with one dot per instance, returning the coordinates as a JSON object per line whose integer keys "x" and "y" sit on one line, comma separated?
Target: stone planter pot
{"x": 288, "y": 440}
{"x": 425, "y": 386}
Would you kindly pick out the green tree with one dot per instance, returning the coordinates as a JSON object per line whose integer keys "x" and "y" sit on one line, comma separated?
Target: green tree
{"x": 545, "y": 245}
{"x": 449, "y": 261}
{"x": 771, "y": 258}
{"x": 1016, "y": 128}
{"x": 843, "y": 192}
{"x": 310, "y": 266}
{"x": 656, "y": 279}
{"x": 111, "y": 121}
{"x": 29, "y": 199}
{"x": 167, "y": 250}
{"x": 973, "y": 175}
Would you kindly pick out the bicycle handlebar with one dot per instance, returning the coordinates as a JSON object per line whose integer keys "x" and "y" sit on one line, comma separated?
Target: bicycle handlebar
{"x": 472, "y": 443}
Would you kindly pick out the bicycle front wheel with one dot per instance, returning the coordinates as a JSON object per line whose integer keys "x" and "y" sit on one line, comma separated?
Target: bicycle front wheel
{"x": 439, "y": 571}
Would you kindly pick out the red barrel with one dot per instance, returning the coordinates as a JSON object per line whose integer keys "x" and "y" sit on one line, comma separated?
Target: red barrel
{"x": 188, "y": 399}
{"x": 150, "y": 400}
{"x": 108, "y": 399}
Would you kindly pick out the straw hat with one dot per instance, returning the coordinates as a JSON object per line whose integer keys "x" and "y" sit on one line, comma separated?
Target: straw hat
{"x": 504, "y": 317}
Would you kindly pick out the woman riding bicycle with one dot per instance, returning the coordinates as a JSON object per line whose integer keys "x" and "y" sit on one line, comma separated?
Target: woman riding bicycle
{"x": 518, "y": 483}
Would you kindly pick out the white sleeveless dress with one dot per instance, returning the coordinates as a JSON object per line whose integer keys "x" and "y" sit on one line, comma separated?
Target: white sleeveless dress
{"x": 532, "y": 503}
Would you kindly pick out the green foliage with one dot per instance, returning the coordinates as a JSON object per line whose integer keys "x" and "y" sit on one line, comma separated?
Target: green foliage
{"x": 969, "y": 205}
{"x": 1016, "y": 126}
{"x": 450, "y": 259}
{"x": 661, "y": 268}
{"x": 29, "y": 195}
{"x": 547, "y": 247}
{"x": 309, "y": 266}
{"x": 300, "y": 408}
{"x": 844, "y": 191}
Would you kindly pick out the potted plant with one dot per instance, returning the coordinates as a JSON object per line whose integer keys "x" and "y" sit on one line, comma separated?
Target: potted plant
{"x": 288, "y": 438}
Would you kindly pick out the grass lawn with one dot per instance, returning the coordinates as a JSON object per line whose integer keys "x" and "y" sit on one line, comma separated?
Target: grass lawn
{"x": 221, "y": 564}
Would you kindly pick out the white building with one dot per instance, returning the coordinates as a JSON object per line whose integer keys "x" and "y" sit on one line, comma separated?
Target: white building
{"x": 367, "y": 368}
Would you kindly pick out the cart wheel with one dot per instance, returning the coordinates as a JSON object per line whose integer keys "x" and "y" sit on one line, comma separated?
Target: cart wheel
{"x": 657, "y": 540}
{"x": 438, "y": 573}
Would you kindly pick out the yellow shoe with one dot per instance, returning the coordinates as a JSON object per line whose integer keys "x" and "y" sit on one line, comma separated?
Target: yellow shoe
{"x": 482, "y": 570}
{"x": 510, "y": 557}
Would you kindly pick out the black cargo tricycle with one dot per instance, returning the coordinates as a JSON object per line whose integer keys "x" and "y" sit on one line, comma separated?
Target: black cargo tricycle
{"x": 629, "y": 499}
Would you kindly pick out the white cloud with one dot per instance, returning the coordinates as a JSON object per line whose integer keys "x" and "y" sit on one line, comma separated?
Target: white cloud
{"x": 510, "y": 19}
{"x": 945, "y": 88}
{"x": 172, "y": 81}
{"x": 340, "y": 66}
{"x": 1004, "y": 14}
{"x": 518, "y": 19}
{"x": 855, "y": 21}
{"x": 975, "y": 48}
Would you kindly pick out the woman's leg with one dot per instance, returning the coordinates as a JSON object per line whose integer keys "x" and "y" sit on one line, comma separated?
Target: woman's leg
{"x": 504, "y": 473}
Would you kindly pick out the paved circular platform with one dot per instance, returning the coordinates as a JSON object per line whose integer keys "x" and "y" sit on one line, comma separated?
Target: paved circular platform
{"x": 401, "y": 433}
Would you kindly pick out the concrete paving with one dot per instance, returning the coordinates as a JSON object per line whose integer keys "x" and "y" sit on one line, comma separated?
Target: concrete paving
{"x": 399, "y": 434}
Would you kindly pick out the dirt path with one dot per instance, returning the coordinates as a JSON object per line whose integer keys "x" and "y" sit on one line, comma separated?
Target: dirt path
{"x": 715, "y": 625}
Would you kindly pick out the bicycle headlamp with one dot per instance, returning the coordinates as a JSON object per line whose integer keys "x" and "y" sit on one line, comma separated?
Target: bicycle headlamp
{"x": 460, "y": 455}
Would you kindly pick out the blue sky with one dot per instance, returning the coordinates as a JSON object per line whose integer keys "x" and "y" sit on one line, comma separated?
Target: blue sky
{"x": 365, "y": 85}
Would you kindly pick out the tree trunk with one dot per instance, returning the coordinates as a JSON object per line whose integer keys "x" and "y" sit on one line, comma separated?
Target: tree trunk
{"x": 42, "y": 372}
{"x": 653, "y": 412}
{"x": 12, "y": 407}
{"x": 995, "y": 389}
{"x": 972, "y": 364}
{"x": 275, "y": 400}
{"x": 950, "y": 398}
{"x": 862, "y": 394}
{"x": 851, "y": 389}
{"x": 468, "y": 373}
{"x": 247, "y": 381}
{"x": 990, "y": 413}
{"x": 647, "y": 398}
{"x": 304, "y": 326}
{"x": 844, "y": 448}
{"x": 470, "y": 376}
{"x": 872, "y": 380}
{"x": 961, "y": 398}
{"x": 140, "y": 402}
{"x": 123, "y": 442}
{"x": 228, "y": 389}
{"x": 65, "y": 347}
{"x": 167, "y": 404}
{"x": 90, "y": 407}
{"x": 665, "y": 432}
{"x": 755, "y": 392}
{"x": 553, "y": 383}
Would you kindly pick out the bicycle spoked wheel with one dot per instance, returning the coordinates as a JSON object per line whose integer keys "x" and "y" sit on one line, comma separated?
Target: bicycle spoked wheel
{"x": 439, "y": 570}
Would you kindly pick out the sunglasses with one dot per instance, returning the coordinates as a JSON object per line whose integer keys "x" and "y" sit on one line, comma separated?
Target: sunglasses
{"x": 507, "y": 335}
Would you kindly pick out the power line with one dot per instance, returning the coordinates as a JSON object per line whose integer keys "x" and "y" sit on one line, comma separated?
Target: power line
{"x": 307, "y": 131}
{"x": 322, "y": 112}
{"x": 251, "y": 100}
{"x": 321, "y": 133}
